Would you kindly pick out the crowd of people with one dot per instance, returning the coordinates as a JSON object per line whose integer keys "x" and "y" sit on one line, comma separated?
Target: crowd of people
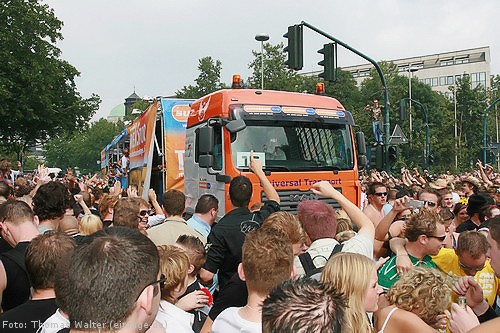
{"x": 422, "y": 254}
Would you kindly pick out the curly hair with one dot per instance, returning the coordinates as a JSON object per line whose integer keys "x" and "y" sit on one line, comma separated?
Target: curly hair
{"x": 424, "y": 291}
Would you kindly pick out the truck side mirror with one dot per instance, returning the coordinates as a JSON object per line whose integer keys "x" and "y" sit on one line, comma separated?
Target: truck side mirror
{"x": 206, "y": 141}
{"x": 236, "y": 125}
{"x": 360, "y": 143}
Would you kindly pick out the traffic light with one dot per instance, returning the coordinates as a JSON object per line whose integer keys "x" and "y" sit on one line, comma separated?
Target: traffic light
{"x": 295, "y": 48}
{"x": 329, "y": 62}
{"x": 403, "y": 109}
{"x": 376, "y": 157}
{"x": 392, "y": 154}
{"x": 431, "y": 159}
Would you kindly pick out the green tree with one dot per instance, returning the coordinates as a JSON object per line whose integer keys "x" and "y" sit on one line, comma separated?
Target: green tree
{"x": 439, "y": 114}
{"x": 82, "y": 149}
{"x": 37, "y": 88}
{"x": 277, "y": 76}
{"x": 207, "y": 81}
{"x": 471, "y": 104}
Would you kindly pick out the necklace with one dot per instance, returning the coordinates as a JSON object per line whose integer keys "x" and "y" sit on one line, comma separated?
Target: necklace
{"x": 254, "y": 309}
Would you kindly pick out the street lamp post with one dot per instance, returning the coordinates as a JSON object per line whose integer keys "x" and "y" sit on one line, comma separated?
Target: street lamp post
{"x": 262, "y": 38}
{"x": 410, "y": 70}
{"x": 485, "y": 115}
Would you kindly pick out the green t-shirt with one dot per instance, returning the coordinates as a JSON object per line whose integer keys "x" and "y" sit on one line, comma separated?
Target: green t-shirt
{"x": 388, "y": 274}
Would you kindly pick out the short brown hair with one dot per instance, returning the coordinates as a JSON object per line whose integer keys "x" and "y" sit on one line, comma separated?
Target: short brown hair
{"x": 195, "y": 250}
{"x": 174, "y": 264}
{"x": 126, "y": 217}
{"x": 286, "y": 223}
{"x": 174, "y": 202}
{"x": 267, "y": 259}
{"x": 108, "y": 273}
{"x": 43, "y": 255}
{"x": 495, "y": 229}
{"x": 16, "y": 212}
{"x": 472, "y": 242}
{"x": 107, "y": 201}
{"x": 422, "y": 223}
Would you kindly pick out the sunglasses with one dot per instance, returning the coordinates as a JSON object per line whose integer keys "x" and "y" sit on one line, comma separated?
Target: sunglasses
{"x": 162, "y": 281}
{"x": 144, "y": 212}
{"x": 429, "y": 203}
{"x": 380, "y": 194}
{"x": 440, "y": 238}
{"x": 468, "y": 268}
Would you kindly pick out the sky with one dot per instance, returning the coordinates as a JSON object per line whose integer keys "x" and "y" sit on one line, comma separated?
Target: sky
{"x": 153, "y": 46}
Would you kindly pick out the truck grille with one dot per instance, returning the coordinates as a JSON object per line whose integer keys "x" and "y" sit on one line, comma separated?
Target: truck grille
{"x": 289, "y": 199}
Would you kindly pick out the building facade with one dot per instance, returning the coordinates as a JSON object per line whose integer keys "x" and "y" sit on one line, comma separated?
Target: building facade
{"x": 439, "y": 70}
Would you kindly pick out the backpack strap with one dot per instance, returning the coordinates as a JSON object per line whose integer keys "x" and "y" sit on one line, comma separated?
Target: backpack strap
{"x": 307, "y": 263}
{"x": 336, "y": 249}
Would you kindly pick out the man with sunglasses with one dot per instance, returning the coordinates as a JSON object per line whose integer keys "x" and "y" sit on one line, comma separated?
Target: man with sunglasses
{"x": 425, "y": 236}
{"x": 469, "y": 259}
{"x": 430, "y": 198}
{"x": 377, "y": 197}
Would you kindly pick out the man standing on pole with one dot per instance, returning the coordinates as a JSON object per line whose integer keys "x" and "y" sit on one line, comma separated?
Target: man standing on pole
{"x": 376, "y": 111}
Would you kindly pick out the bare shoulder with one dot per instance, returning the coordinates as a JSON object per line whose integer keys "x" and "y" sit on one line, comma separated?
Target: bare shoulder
{"x": 396, "y": 228}
{"x": 408, "y": 322}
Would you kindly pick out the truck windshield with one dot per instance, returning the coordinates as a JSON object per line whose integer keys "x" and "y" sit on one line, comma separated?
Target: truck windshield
{"x": 294, "y": 146}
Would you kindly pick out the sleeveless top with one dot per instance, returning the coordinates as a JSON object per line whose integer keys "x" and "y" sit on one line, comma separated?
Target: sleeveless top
{"x": 387, "y": 320}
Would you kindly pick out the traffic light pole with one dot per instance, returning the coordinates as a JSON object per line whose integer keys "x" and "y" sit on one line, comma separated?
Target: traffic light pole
{"x": 427, "y": 148}
{"x": 484, "y": 127}
{"x": 386, "y": 123}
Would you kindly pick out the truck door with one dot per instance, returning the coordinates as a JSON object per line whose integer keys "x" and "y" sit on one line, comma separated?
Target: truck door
{"x": 204, "y": 165}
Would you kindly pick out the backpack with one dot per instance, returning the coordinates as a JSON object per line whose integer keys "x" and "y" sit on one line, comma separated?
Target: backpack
{"x": 308, "y": 265}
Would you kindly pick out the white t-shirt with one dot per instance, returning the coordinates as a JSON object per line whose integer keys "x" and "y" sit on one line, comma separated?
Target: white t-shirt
{"x": 124, "y": 162}
{"x": 321, "y": 249}
{"x": 230, "y": 321}
{"x": 174, "y": 319}
{"x": 54, "y": 323}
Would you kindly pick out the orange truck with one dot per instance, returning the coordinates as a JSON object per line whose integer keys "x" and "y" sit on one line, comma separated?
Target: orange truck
{"x": 199, "y": 146}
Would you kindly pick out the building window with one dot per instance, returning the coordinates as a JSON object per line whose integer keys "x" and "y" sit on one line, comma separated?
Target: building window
{"x": 459, "y": 61}
{"x": 418, "y": 66}
{"x": 478, "y": 79}
{"x": 428, "y": 81}
{"x": 442, "y": 80}
{"x": 435, "y": 81}
{"x": 446, "y": 62}
{"x": 449, "y": 80}
{"x": 364, "y": 73}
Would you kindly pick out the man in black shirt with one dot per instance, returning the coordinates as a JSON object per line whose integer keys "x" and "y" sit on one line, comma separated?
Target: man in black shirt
{"x": 43, "y": 256}
{"x": 476, "y": 210}
{"x": 18, "y": 229}
{"x": 226, "y": 237}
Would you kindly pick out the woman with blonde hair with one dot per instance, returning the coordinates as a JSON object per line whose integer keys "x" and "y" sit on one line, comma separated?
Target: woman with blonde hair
{"x": 354, "y": 275}
{"x": 174, "y": 268}
{"x": 90, "y": 224}
{"x": 418, "y": 300}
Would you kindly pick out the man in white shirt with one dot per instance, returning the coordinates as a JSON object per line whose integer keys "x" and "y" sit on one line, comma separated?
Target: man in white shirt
{"x": 267, "y": 260}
